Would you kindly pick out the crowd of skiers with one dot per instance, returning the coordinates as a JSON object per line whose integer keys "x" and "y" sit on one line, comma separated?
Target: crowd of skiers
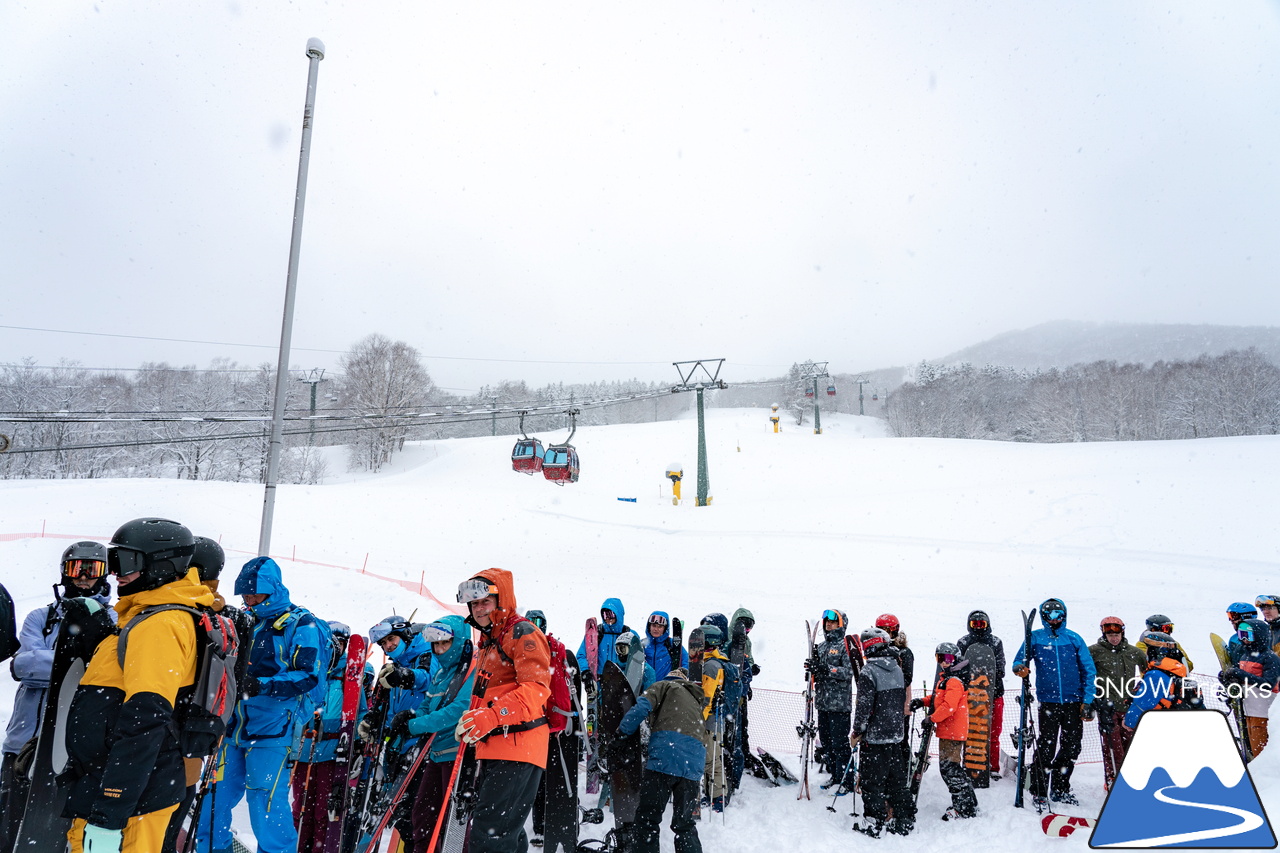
{"x": 478, "y": 721}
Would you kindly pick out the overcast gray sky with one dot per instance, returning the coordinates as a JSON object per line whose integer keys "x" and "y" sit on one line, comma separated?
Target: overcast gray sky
{"x": 625, "y": 185}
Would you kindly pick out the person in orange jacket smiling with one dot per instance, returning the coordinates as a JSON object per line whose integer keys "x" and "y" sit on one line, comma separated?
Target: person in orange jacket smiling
{"x": 508, "y": 719}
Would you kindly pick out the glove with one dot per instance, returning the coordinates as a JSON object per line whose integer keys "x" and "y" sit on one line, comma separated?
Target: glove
{"x": 1022, "y": 670}
{"x": 99, "y": 840}
{"x": 400, "y": 723}
{"x": 755, "y": 670}
{"x": 807, "y": 666}
{"x": 1086, "y": 711}
{"x": 394, "y": 675}
{"x": 250, "y": 686}
{"x": 368, "y": 728}
{"x": 476, "y": 724}
{"x": 916, "y": 704}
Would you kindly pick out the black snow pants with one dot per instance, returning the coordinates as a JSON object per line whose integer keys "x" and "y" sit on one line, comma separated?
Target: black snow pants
{"x": 655, "y": 790}
{"x": 1057, "y": 748}
{"x": 504, "y": 798}
{"x": 883, "y": 776}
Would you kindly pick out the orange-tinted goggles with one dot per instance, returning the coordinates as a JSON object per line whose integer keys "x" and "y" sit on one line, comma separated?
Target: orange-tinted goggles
{"x": 85, "y": 568}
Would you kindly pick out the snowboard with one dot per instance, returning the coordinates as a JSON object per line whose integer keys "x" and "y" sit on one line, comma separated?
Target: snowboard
{"x": 1061, "y": 825}
{"x": 696, "y": 648}
{"x": 779, "y": 770}
{"x": 85, "y": 624}
{"x": 560, "y": 804}
{"x": 981, "y": 697}
{"x": 1235, "y": 704}
{"x": 623, "y": 754}
{"x": 591, "y": 641}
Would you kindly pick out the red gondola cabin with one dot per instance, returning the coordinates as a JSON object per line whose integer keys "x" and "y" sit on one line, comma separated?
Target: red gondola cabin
{"x": 560, "y": 464}
{"x": 526, "y": 456}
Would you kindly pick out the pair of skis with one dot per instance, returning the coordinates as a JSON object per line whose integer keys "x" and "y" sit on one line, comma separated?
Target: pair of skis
{"x": 808, "y": 728}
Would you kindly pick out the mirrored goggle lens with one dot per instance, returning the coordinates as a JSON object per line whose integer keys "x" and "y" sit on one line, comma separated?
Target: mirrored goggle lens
{"x": 1055, "y": 615}
{"x": 437, "y": 634}
{"x": 831, "y": 616}
{"x": 1113, "y": 629}
{"x": 655, "y": 619}
{"x": 1266, "y": 601}
{"x": 978, "y": 624}
{"x": 1167, "y": 627}
{"x": 84, "y": 568}
{"x": 1246, "y": 633}
{"x": 474, "y": 590}
{"x": 122, "y": 561}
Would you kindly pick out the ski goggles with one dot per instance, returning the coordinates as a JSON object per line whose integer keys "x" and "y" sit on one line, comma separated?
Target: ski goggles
{"x": 945, "y": 659}
{"x": 1054, "y": 615}
{"x": 85, "y": 568}
{"x": 833, "y": 616}
{"x": 1164, "y": 627}
{"x": 978, "y": 624}
{"x": 125, "y": 561}
{"x": 386, "y": 628}
{"x": 475, "y": 589}
{"x": 658, "y": 619}
{"x": 1246, "y": 633}
{"x": 1113, "y": 627}
{"x": 1266, "y": 601}
{"x": 437, "y": 633}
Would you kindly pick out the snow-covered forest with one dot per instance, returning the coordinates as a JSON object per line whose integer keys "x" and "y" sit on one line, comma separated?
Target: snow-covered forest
{"x": 1237, "y": 393}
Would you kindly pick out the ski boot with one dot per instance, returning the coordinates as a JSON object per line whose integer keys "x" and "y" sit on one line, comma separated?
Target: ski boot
{"x": 952, "y": 813}
{"x": 871, "y": 827}
{"x": 717, "y": 805}
{"x": 592, "y": 815}
{"x": 1041, "y": 804}
{"x": 897, "y": 826}
{"x": 1066, "y": 798}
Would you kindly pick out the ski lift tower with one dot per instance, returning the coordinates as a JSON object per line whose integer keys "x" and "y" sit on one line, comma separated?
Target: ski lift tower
{"x": 813, "y": 371}
{"x": 698, "y": 376}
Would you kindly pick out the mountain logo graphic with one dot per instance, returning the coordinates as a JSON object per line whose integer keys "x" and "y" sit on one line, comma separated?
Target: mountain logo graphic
{"x": 1183, "y": 784}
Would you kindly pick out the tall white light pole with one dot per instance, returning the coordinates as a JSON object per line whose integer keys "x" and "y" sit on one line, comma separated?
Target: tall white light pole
{"x": 315, "y": 53}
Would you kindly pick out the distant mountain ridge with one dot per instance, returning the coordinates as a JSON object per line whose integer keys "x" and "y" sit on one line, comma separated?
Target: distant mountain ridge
{"x": 1066, "y": 342}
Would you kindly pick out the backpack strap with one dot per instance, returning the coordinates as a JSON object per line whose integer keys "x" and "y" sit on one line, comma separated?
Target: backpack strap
{"x": 146, "y": 613}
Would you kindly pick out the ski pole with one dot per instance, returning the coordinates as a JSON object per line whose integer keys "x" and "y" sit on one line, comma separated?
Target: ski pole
{"x": 844, "y": 775}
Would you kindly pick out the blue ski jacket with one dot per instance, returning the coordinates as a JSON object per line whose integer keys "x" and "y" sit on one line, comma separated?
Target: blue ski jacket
{"x": 288, "y": 657}
{"x": 657, "y": 650}
{"x": 1064, "y": 666}
{"x": 608, "y": 636}
{"x": 331, "y": 717}
{"x": 448, "y": 695}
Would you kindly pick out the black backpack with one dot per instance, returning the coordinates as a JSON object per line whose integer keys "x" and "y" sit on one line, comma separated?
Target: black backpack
{"x": 8, "y": 626}
{"x": 202, "y": 711}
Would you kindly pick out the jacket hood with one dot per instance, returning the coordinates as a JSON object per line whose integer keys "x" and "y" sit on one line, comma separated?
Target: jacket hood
{"x": 836, "y": 634}
{"x": 614, "y": 606}
{"x": 188, "y": 591}
{"x": 262, "y": 576}
{"x": 1261, "y": 634}
{"x": 978, "y": 614}
{"x": 738, "y": 615}
{"x": 501, "y": 578}
{"x": 666, "y": 632}
{"x": 1045, "y": 623}
{"x": 721, "y": 622}
{"x": 450, "y": 660}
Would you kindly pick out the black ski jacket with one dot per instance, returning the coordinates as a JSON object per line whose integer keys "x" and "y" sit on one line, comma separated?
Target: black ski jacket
{"x": 881, "y": 714}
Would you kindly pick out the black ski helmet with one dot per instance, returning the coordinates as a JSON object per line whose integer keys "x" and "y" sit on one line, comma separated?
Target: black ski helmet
{"x": 875, "y": 641}
{"x": 712, "y": 637}
{"x": 1159, "y": 623}
{"x": 1160, "y": 646}
{"x": 84, "y": 559}
{"x": 158, "y": 548}
{"x": 339, "y": 635}
{"x": 538, "y": 618}
{"x": 979, "y": 622}
{"x": 208, "y": 558}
